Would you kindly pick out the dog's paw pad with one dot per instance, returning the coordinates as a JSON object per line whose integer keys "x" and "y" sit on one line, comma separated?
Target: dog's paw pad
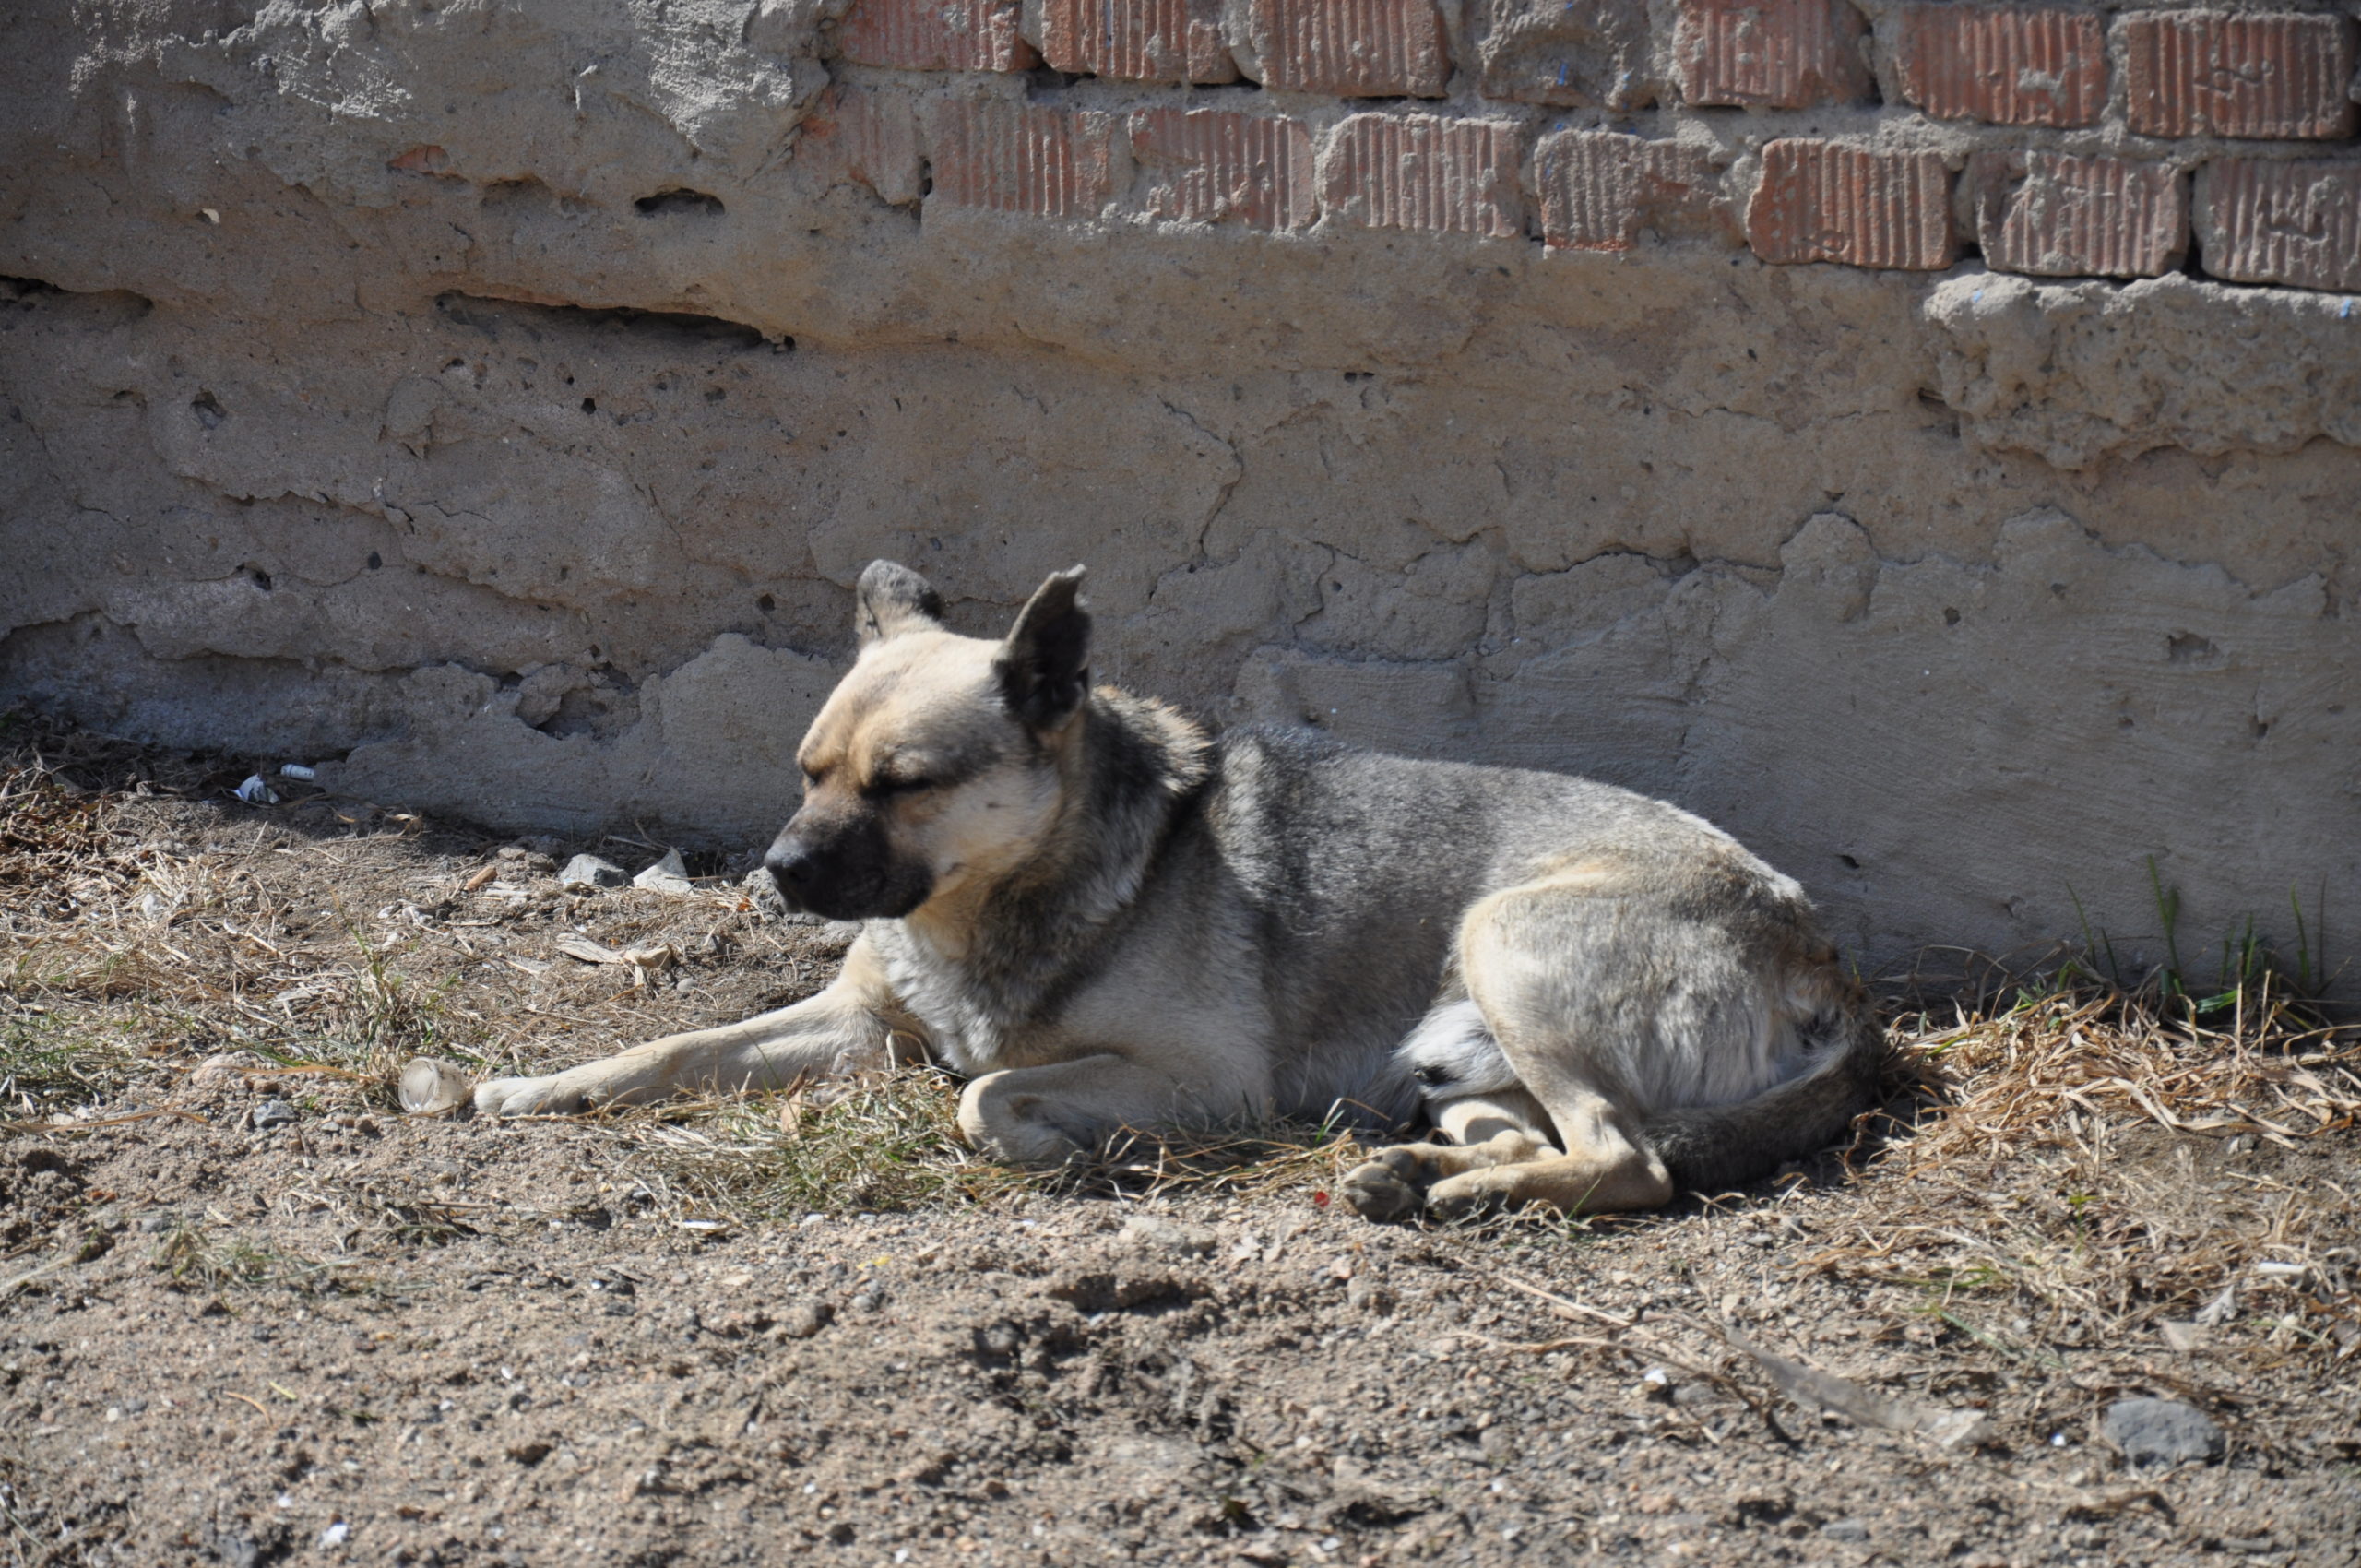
{"x": 1376, "y": 1192}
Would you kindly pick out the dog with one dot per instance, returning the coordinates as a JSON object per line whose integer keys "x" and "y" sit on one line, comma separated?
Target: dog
{"x": 1104, "y": 917}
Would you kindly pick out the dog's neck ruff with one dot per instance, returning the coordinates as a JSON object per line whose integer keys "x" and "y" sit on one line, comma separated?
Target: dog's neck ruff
{"x": 1033, "y": 939}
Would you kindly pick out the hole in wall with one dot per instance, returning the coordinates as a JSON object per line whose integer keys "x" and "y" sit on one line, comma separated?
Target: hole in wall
{"x": 489, "y": 314}
{"x": 680, "y": 201}
{"x": 2188, "y": 647}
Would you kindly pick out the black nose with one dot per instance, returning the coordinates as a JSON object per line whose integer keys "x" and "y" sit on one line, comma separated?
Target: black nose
{"x": 793, "y": 868}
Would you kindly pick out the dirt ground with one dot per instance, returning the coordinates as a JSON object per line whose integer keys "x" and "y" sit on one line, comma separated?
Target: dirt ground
{"x": 251, "y": 1313}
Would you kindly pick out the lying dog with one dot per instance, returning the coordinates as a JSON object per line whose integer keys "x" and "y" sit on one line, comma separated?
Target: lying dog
{"x": 1105, "y": 918}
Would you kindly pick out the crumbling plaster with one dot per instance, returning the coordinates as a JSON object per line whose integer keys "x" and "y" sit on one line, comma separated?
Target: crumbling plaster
{"x": 514, "y": 484}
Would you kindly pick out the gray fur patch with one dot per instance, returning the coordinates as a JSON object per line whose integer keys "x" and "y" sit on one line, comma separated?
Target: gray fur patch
{"x": 1452, "y": 1053}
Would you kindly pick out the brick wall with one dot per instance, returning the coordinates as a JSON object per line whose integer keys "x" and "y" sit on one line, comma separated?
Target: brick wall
{"x": 2056, "y": 139}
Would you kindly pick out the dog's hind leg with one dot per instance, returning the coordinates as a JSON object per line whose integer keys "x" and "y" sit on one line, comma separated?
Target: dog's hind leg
{"x": 854, "y": 1024}
{"x": 1571, "y": 973}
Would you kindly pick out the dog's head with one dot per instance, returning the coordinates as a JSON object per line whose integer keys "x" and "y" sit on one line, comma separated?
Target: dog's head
{"x": 934, "y": 762}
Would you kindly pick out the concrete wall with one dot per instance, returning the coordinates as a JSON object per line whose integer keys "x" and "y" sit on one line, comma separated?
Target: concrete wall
{"x": 494, "y": 403}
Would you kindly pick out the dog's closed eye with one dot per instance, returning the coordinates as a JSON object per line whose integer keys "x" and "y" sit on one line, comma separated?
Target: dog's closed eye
{"x": 882, "y": 789}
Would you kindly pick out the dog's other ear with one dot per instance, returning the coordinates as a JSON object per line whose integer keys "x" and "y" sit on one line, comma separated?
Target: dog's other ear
{"x": 1044, "y": 667}
{"x": 892, "y": 600}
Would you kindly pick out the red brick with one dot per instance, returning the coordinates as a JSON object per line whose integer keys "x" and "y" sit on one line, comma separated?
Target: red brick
{"x": 1419, "y": 172}
{"x": 1008, "y": 157}
{"x": 1138, "y": 41}
{"x": 1600, "y": 188}
{"x": 1771, "y": 53}
{"x": 1214, "y": 167}
{"x": 872, "y": 137}
{"x": 2007, "y": 65}
{"x": 2238, "y": 74}
{"x": 1351, "y": 48}
{"x": 2296, "y": 222}
{"x": 2060, "y": 216}
{"x": 934, "y": 35}
{"x": 1826, "y": 201}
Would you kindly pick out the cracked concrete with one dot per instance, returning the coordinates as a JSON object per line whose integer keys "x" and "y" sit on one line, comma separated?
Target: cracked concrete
{"x": 493, "y": 407}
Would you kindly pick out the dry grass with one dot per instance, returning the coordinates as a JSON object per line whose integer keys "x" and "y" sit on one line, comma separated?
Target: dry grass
{"x": 2059, "y": 1167}
{"x": 2080, "y": 1156}
{"x": 892, "y": 1141}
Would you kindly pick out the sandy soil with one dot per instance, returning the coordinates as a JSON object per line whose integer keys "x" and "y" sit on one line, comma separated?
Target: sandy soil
{"x": 342, "y": 1335}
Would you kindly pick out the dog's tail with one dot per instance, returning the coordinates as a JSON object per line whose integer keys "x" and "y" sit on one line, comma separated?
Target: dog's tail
{"x": 1711, "y": 1149}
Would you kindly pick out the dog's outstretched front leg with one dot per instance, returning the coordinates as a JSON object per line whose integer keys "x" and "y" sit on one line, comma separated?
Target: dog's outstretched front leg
{"x": 849, "y": 1026}
{"x": 1045, "y": 1115}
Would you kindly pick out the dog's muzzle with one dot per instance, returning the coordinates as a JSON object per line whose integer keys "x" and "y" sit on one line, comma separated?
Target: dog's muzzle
{"x": 851, "y": 876}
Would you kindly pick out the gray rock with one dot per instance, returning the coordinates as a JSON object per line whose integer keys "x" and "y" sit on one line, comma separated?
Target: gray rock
{"x": 669, "y": 874}
{"x": 2163, "y": 1432}
{"x": 274, "y": 1113}
{"x": 1845, "y": 1529}
{"x": 1499, "y": 1444}
{"x": 589, "y": 871}
{"x": 1146, "y": 1233}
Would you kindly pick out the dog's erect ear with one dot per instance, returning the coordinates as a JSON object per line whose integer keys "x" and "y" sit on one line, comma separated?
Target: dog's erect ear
{"x": 1044, "y": 667}
{"x": 893, "y": 600}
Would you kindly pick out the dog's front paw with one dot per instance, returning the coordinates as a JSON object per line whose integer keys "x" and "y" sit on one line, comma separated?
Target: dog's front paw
{"x": 552, "y": 1095}
{"x": 1470, "y": 1195}
{"x": 1376, "y": 1191}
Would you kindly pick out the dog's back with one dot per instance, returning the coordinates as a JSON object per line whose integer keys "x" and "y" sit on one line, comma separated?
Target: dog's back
{"x": 1347, "y": 874}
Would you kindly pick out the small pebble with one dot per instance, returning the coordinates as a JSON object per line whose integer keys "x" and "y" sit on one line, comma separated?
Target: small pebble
{"x": 801, "y": 1320}
{"x": 1845, "y": 1529}
{"x": 274, "y": 1113}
